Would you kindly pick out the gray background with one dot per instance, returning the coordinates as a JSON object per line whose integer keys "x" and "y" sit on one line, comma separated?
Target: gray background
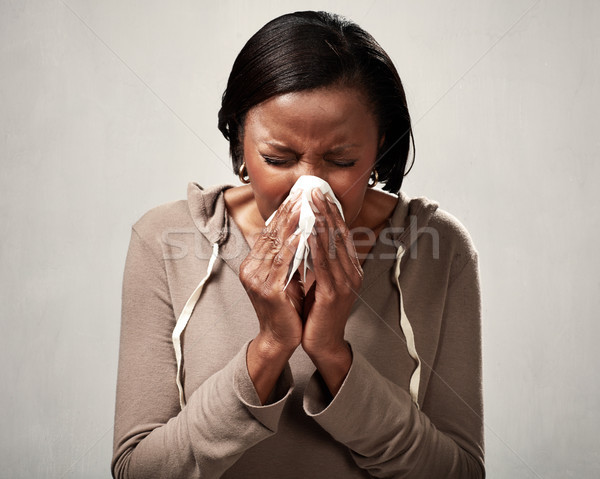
{"x": 109, "y": 108}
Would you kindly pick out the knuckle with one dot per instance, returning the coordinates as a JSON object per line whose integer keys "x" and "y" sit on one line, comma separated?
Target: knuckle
{"x": 245, "y": 272}
{"x": 272, "y": 236}
{"x": 244, "y": 280}
{"x": 276, "y": 243}
{"x": 338, "y": 235}
{"x": 332, "y": 250}
{"x": 253, "y": 284}
{"x": 334, "y": 300}
{"x": 331, "y": 292}
{"x": 278, "y": 261}
{"x": 319, "y": 222}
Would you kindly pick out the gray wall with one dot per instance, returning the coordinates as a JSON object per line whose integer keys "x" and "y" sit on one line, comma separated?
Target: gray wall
{"x": 109, "y": 108}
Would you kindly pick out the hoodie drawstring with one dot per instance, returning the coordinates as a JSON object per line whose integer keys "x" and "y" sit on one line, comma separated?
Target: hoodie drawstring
{"x": 408, "y": 334}
{"x": 184, "y": 317}
{"x": 186, "y": 313}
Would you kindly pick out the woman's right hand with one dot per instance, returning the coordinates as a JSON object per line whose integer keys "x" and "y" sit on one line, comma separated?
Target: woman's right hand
{"x": 264, "y": 274}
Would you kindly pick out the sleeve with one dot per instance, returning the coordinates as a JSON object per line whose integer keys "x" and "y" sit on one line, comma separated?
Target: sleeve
{"x": 153, "y": 437}
{"x": 386, "y": 433}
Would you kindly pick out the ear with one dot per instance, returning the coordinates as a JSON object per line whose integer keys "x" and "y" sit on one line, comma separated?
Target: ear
{"x": 381, "y": 140}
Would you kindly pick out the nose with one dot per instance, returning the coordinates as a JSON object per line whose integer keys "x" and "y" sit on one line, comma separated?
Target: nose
{"x": 312, "y": 168}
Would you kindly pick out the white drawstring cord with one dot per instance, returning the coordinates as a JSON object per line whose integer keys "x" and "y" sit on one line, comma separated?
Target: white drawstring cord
{"x": 184, "y": 317}
{"x": 408, "y": 334}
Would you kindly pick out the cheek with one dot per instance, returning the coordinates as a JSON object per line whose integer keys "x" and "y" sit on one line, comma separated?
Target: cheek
{"x": 269, "y": 190}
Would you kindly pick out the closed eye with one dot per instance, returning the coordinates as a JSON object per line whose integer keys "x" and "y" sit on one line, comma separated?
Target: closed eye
{"x": 278, "y": 161}
{"x": 271, "y": 160}
{"x": 343, "y": 163}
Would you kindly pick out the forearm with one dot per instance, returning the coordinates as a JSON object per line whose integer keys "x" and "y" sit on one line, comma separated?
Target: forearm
{"x": 222, "y": 419}
{"x": 385, "y": 432}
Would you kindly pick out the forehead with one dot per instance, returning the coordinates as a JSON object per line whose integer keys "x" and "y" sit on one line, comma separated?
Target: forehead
{"x": 336, "y": 114}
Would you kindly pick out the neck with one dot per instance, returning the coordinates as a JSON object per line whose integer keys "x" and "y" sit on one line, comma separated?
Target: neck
{"x": 242, "y": 208}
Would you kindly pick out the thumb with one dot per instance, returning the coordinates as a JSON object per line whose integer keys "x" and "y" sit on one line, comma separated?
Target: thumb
{"x": 295, "y": 292}
{"x": 309, "y": 300}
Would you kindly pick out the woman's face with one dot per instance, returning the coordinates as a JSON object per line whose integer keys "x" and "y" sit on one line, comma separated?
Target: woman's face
{"x": 329, "y": 132}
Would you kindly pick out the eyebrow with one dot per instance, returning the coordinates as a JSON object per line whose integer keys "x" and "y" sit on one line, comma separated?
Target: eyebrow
{"x": 286, "y": 149}
{"x": 279, "y": 146}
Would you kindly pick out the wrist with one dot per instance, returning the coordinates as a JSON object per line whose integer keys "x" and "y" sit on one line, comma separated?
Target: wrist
{"x": 333, "y": 365}
{"x": 265, "y": 362}
{"x": 270, "y": 349}
{"x": 330, "y": 352}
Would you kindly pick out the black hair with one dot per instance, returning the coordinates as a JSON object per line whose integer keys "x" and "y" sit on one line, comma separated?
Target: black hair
{"x": 309, "y": 50}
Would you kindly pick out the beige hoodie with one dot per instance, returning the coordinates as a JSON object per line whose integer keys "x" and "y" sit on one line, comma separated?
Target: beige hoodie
{"x": 371, "y": 428}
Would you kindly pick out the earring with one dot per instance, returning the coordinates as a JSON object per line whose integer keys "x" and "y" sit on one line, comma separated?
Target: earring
{"x": 374, "y": 178}
{"x": 243, "y": 174}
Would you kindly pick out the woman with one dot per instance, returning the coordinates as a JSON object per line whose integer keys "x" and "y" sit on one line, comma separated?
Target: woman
{"x": 367, "y": 366}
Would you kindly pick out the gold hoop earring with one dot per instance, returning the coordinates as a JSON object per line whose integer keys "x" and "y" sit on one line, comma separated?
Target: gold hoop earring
{"x": 243, "y": 174}
{"x": 374, "y": 177}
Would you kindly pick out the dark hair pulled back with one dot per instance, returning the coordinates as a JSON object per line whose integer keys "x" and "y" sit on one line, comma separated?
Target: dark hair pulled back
{"x": 309, "y": 50}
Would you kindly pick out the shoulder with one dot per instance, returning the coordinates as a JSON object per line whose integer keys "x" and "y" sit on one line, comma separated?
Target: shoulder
{"x": 203, "y": 211}
{"x": 452, "y": 232}
{"x": 435, "y": 232}
{"x": 455, "y": 243}
{"x": 160, "y": 219}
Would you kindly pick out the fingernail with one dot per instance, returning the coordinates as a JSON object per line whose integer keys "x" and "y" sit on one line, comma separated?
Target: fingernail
{"x": 329, "y": 198}
{"x": 319, "y": 194}
{"x": 314, "y": 207}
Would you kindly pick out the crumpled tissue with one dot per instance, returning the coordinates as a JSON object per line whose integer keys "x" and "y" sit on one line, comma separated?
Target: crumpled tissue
{"x": 306, "y": 222}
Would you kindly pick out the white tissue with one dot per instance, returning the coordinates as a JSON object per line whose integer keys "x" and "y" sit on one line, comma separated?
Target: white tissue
{"x": 307, "y": 218}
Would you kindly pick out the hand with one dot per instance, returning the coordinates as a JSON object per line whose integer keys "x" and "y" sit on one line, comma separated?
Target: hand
{"x": 264, "y": 274}
{"x": 327, "y": 306}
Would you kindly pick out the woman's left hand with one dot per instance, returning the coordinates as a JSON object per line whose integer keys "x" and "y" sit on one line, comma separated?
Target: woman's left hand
{"x": 327, "y": 305}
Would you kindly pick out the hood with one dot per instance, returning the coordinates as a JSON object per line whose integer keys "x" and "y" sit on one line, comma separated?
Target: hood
{"x": 207, "y": 209}
{"x": 410, "y": 217}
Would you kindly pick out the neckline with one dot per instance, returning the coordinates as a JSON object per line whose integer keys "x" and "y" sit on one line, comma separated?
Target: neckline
{"x": 379, "y": 259}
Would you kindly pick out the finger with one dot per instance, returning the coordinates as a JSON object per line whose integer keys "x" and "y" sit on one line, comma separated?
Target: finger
{"x": 344, "y": 236}
{"x": 334, "y": 287}
{"x": 284, "y": 222}
{"x": 285, "y": 208}
{"x": 278, "y": 273}
{"x": 295, "y": 292}
{"x": 277, "y": 276}
{"x": 335, "y": 236}
{"x": 322, "y": 267}
{"x": 274, "y": 234}
{"x": 266, "y": 282}
{"x": 343, "y": 262}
